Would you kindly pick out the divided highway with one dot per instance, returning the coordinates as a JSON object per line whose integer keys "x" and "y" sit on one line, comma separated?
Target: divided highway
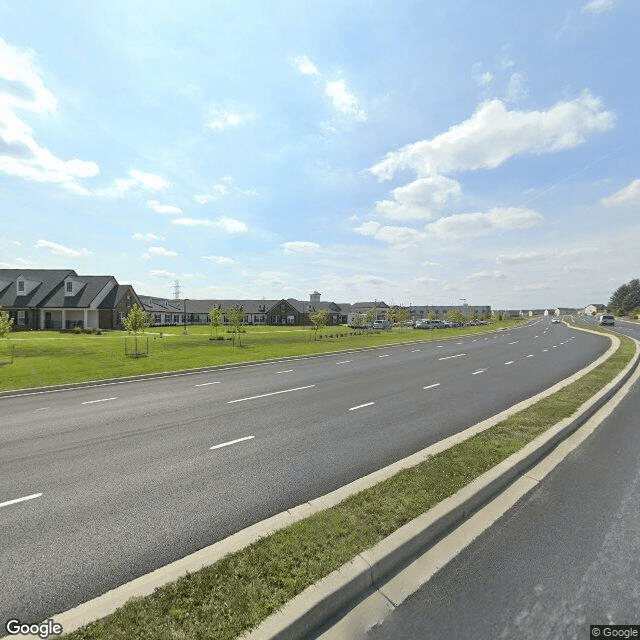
{"x": 565, "y": 557}
{"x": 102, "y": 484}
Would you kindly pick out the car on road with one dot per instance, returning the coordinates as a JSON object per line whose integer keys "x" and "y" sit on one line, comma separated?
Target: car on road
{"x": 555, "y": 320}
{"x": 606, "y": 320}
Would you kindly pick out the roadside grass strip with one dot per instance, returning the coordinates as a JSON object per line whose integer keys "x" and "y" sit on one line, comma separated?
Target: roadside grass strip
{"x": 234, "y": 595}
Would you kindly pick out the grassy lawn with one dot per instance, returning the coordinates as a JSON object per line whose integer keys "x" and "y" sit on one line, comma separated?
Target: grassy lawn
{"x": 238, "y": 592}
{"x": 45, "y": 358}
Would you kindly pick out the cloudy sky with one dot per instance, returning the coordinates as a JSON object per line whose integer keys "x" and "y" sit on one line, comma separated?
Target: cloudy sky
{"x": 414, "y": 152}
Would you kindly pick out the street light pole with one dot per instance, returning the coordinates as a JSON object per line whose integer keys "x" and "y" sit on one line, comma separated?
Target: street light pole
{"x": 185, "y": 332}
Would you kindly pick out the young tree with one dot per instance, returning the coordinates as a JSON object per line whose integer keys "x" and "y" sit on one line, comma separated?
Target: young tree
{"x": 319, "y": 319}
{"x": 369, "y": 317}
{"x": 136, "y": 322}
{"x": 235, "y": 315}
{"x": 6, "y": 322}
{"x": 215, "y": 319}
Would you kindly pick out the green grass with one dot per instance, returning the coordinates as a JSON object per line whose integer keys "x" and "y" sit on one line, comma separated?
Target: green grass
{"x": 46, "y": 358}
{"x": 238, "y": 592}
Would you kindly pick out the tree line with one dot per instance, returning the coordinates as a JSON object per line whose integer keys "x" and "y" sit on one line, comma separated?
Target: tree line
{"x": 625, "y": 300}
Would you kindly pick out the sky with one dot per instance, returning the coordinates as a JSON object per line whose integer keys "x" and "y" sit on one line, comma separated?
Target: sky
{"x": 407, "y": 151}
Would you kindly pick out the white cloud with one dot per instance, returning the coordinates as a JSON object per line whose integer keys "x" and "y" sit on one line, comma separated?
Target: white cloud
{"x": 146, "y": 237}
{"x": 344, "y": 101}
{"x": 228, "y": 224}
{"x": 455, "y": 227}
{"x": 222, "y": 119}
{"x": 494, "y": 134}
{"x": 223, "y": 188}
{"x": 167, "y": 209}
{"x": 520, "y": 258}
{"x": 418, "y": 199}
{"x": 161, "y": 251}
{"x": 61, "y": 250}
{"x": 300, "y": 247}
{"x": 22, "y": 90}
{"x": 598, "y": 6}
{"x": 486, "y": 275}
{"x": 629, "y": 195}
{"x": 221, "y": 260}
{"x": 398, "y": 237}
{"x": 517, "y": 90}
{"x": 121, "y": 186}
{"x": 305, "y": 66}
{"x": 159, "y": 273}
{"x": 473, "y": 225}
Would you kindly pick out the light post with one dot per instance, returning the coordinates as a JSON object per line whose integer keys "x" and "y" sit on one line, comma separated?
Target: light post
{"x": 185, "y": 332}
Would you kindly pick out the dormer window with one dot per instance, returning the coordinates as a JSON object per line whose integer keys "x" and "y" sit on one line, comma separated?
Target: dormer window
{"x": 69, "y": 286}
{"x": 21, "y": 286}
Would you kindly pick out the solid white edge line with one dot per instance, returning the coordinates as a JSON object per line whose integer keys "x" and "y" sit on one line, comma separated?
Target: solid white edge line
{"x": 31, "y": 497}
{"x": 273, "y": 393}
{"x": 366, "y": 404}
{"x": 101, "y": 400}
{"x": 226, "y": 444}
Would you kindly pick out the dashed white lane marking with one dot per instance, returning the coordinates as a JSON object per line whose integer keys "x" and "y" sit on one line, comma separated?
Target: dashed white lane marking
{"x": 384, "y": 355}
{"x": 360, "y": 406}
{"x": 415, "y": 350}
{"x": 475, "y": 373}
{"x": 431, "y": 386}
{"x": 16, "y": 500}
{"x": 510, "y": 362}
{"x": 285, "y": 371}
{"x": 42, "y": 409}
{"x": 273, "y": 393}
{"x": 530, "y": 355}
{"x": 343, "y": 362}
{"x": 101, "y": 400}
{"x": 226, "y": 444}
{"x": 545, "y": 350}
{"x": 554, "y": 346}
{"x": 514, "y": 342}
{"x": 206, "y": 384}
{"x": 449, "y": 357}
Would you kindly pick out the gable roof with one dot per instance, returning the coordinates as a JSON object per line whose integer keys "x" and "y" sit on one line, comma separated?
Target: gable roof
{"x": 48, "y": 280}
{"x": 91, "y": 287}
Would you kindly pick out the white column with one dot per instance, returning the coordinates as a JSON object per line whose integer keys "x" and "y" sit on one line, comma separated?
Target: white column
{"x": 64, "y": 319}
{"x": 84, "y": 324}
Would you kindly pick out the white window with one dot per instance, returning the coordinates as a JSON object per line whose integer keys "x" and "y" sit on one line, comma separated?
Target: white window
{"x": 20, "y": 285}
{"x": 69, "y": 286}
{"x": 21, "y": 318}
{"x": 167, "y": 318}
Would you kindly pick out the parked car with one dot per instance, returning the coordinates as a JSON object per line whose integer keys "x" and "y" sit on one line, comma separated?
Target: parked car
{"x": 382, "y": 324}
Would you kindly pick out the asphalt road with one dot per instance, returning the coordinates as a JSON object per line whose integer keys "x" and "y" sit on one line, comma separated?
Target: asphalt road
{"x": 567, "y": 556}
{"x": 128, "y": 477}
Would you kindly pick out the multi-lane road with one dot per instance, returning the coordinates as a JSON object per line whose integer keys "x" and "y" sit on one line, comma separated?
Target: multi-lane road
{"x": 566, "y": 557}
{"x": 104, "y": 483}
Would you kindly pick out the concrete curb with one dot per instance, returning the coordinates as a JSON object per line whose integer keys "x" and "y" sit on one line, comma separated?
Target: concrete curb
{"x": 370, "y": 569}
{"x": 323, "y": 599}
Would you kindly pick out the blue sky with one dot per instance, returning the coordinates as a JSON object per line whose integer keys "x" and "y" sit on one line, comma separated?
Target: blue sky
{"x": 413, "y": 152}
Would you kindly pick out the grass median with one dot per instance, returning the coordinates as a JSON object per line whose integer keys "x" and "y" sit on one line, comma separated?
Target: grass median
{"x": 42, "y": 358}
{"x": 242, "y": 589}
